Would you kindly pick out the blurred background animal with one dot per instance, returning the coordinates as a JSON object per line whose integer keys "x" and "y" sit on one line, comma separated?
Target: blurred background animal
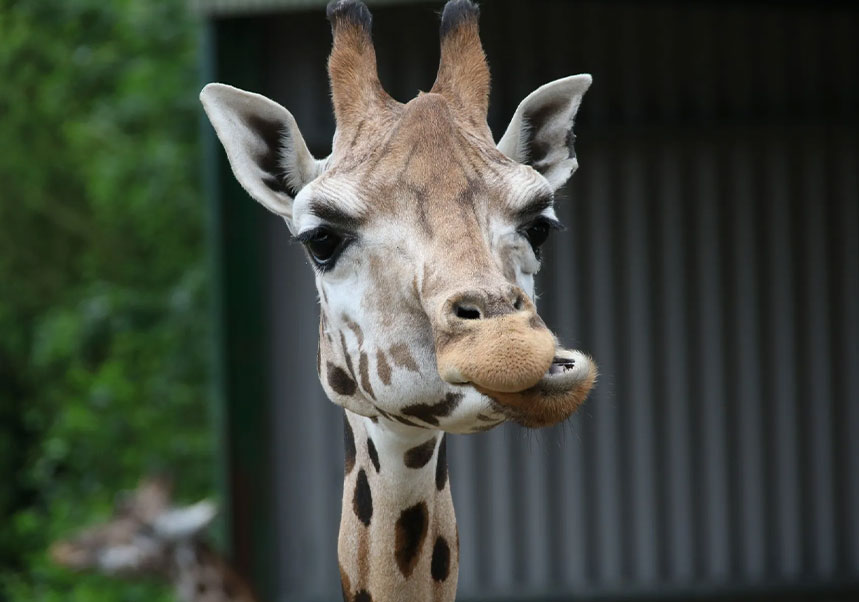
{"x": 147, "y": 536}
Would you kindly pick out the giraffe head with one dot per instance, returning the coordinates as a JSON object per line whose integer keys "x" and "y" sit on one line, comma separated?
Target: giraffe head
{"x": 424, "y": 233}
{"x": 141, "y": 536}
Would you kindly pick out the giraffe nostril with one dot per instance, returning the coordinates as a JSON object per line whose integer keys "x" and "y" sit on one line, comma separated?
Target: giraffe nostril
{"x": 517, "y": 303}
{"x": 467, "y": 313}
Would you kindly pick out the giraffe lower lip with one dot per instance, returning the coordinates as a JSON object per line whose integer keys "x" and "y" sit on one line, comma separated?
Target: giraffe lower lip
{"x": 562, "y": 389}
{"x": 561, "y": 365}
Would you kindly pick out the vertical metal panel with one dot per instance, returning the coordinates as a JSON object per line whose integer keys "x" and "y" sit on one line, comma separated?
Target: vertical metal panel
{"x": 708, "y": 353}
{"x": 605, "y": 441}
{"x": 847, "y": 233}
{"x": 817, "y": 377}
{"x": 749, "y": 422}
{"x": 636, "y": 231}
{"x": 497, "y": 563}
{"x": 712, "y": 269}
{"x": 783, "y": 362}
{"x": 307, "y": 428}
{"x": 566, "y": 503}
{"x": 675, "y": 368}
{"x": 463, "y": 466}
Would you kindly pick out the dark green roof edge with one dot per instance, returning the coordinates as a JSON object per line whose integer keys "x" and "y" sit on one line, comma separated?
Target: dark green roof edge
{"x": 217, "y": 8}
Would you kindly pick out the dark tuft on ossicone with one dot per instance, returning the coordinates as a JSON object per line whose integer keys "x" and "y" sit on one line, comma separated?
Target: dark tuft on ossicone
{"x": 352, "y": 11}
{"x": 457, "y": 12}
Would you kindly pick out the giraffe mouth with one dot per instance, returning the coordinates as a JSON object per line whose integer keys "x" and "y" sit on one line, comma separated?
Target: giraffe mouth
{"x": 517, "y": 362}
{"x": 562, "y": 389}
{"x": 568, "y": 368}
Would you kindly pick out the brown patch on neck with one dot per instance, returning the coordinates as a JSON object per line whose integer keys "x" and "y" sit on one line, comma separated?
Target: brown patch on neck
{"x": 349, "y": 445}
{"x": 441, "y": 465}
{"x": 411, "y": 531}
{"x": 407, "y": 551}
{"x": 440, "y": 564}
{"x": 420, "y": 455}
{"x": 362, "y": 499}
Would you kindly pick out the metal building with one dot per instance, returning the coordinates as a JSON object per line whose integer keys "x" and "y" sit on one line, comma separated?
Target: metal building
{"x": 711, "y": 267}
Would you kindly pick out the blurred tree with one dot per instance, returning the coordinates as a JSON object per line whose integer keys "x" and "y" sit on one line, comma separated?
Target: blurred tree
{"x": 103, "y": 325}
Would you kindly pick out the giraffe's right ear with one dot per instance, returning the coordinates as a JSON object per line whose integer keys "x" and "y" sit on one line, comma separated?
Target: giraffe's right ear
{"x": 541, "y": 131}
{"x": 264, "y": 145}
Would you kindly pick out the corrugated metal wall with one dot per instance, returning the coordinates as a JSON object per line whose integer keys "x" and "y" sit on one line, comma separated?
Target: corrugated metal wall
{"x": 711, "y": 267}
{"x": 711, "y": 275}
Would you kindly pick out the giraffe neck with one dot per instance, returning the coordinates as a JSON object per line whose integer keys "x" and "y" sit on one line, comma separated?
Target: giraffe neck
{"x": 201, "y": 575}
{"x": 398, "y": 537}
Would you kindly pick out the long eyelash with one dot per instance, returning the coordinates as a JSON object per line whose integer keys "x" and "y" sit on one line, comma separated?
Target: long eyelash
{"x": 552, "y": 223}
{"x": 307, "y": 236}
{"x": 535, "y": 208}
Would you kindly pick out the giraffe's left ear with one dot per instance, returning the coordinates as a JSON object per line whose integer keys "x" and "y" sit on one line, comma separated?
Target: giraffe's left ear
{"x": 264, "y": 145}
{"x": 541, "y": 131}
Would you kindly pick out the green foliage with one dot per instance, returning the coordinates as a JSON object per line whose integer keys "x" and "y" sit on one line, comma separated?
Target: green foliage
{"x": 103, "y": 318}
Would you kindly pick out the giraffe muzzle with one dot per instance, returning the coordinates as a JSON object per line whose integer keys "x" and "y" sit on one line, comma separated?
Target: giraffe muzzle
{"x": 559, "y": 393}
{"x": 505, "y": 351}
{"x": 507, "y": 354}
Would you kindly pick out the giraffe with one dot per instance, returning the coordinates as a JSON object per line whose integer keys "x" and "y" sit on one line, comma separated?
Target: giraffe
{"x": 424, "y": 236}
{"x": 146, "y": 536}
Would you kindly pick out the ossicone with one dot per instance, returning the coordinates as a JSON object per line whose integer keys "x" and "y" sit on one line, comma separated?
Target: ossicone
{"x": 457, "y": 12}
{"x": 355, "y": 86}
{"x": 463, "y": 74}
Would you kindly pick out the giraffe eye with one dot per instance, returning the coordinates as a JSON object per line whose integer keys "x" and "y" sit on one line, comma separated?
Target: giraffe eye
{"x": 537, "y": 232}
{"x": 324, "y": 246}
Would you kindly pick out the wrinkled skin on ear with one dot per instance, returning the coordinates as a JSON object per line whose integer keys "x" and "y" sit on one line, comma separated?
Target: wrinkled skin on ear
{"x": 541, "y": 131}
{"x": 266, "y": 150}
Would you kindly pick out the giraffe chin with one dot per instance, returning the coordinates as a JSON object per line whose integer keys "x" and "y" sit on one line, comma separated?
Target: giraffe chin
{"x": 559, "y": 393}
